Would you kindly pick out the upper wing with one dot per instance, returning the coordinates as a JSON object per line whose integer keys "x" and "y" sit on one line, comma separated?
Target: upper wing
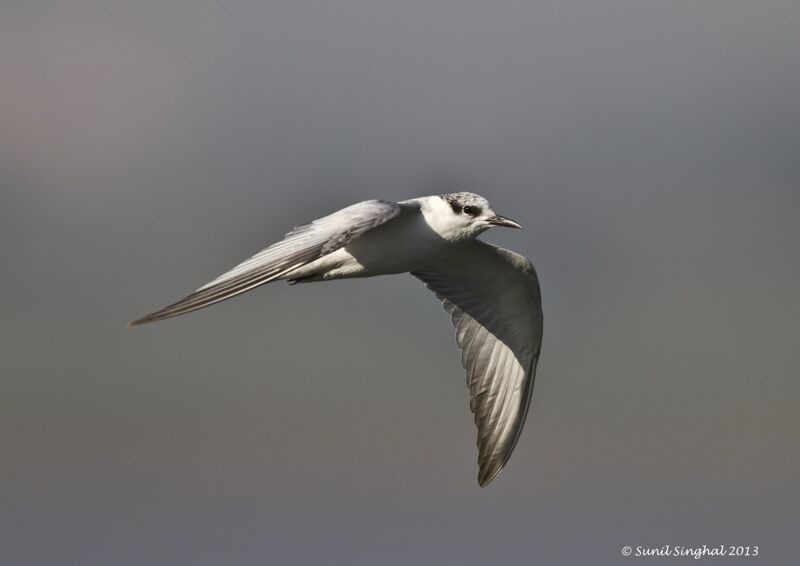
{"x": 302, "y": 245}
{"x": 493, "y": 297}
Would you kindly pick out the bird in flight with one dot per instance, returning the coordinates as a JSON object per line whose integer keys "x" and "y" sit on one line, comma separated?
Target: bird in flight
{"x": 491, "y": 294}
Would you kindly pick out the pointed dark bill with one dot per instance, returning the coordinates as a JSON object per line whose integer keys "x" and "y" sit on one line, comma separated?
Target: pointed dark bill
{"x": 498, "y": 220}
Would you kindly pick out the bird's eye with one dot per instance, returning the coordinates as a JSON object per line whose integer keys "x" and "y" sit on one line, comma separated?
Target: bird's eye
{"x": 472, "y": 210}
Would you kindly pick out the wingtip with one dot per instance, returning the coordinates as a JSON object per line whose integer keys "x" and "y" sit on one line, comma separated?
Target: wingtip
{"x": 486, "y": 476}
{"x": 138, "y": 322}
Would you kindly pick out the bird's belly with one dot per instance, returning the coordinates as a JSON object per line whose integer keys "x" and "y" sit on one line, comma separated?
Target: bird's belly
{"x": 401, "y": 245}
{"x": 383, "y": 252}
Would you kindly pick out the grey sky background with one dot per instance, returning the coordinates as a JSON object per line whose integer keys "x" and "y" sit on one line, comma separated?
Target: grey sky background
{"x": 651, "y": 151}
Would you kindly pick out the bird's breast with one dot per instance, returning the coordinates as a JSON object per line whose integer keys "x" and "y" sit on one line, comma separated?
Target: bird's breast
{"x": 404, "y": 244}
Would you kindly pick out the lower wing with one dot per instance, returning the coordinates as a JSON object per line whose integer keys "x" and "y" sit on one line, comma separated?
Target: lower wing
{"x": 494, "y": 300}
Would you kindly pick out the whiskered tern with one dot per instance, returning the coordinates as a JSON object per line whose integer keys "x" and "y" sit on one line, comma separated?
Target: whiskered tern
{"x": 491, "y": 294}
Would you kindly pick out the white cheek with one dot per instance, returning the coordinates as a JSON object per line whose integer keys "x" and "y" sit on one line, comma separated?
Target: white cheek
{"x": 440, "y": 217}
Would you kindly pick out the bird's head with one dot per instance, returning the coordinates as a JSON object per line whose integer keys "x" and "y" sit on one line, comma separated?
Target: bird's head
{"x": 461, "y": 216}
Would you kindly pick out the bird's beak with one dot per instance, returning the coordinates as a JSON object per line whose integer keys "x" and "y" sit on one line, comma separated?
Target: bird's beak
{"x": 498, "y": 220}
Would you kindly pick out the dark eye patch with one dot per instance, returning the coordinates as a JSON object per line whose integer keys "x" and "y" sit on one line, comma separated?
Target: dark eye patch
{"x": 455, "y": 206}
{"x": 472, "y": 210}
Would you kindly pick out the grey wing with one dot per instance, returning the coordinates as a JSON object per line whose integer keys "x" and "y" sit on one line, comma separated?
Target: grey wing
{"x": 302, "y": 245}
{"x": 495, "y": 303}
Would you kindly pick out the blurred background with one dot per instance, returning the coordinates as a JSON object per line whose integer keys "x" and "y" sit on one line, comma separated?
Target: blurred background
{"x": 651, "y": 151}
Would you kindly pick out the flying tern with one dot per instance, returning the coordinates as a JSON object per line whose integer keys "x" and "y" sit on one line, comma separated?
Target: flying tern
{"x": 491, "y": 294}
